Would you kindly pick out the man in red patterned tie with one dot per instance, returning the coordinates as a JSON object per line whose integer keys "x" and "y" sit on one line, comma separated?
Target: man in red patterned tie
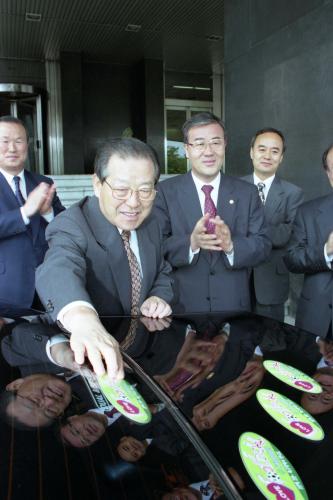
{"x": 105, "y": 255}
{"x": 213, "y": 225}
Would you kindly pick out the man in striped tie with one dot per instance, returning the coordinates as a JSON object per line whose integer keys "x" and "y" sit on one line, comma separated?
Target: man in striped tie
{"x": 280, "y": 200}
{"x": 105, "y": 255}
{"x": 27, "y": 204}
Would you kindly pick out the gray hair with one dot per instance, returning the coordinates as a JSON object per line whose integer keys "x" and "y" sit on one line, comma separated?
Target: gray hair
{"x": 124, "y": 147}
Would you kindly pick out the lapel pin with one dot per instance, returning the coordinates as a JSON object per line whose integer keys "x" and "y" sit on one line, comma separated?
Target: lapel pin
{"x": 231, "y": 202}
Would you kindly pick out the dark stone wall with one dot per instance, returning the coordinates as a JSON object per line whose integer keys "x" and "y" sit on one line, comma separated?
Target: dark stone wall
{"x": 106, "y": 105}
{"x": 72, "y": 124}
{"x": 101, "y": 99}
{"x": 279, "y": 73}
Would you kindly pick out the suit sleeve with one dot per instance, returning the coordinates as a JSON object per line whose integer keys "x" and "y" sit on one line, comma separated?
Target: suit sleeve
{"x": 280, "y": 233}
{"x": 26, "y": 344}
{"x": 162, "y": 286}
{"x": 11, "y": 223}
{"x": 254, "y": 247}
{"x": 60, "y": 279}
{"x": 176, "y": 247}
{"x": 305, "y": 255}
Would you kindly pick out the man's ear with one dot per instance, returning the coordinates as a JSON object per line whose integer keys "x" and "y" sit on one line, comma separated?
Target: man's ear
{"x": 14, "y": 385}
{"x": 186, "y": 150}
{"x": 251, "y": 153}
{"x": 97, "y": 185}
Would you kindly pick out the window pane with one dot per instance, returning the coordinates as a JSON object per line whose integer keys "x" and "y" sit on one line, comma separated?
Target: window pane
{"x": 176, "y": 159}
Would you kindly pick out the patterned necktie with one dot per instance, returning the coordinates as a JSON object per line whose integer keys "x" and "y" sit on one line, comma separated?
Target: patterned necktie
{"x": 261, "y": 187}
{"x": 135, "y": 274}
{"x": 18, "y": 192}
{"x": 209, "y": 208}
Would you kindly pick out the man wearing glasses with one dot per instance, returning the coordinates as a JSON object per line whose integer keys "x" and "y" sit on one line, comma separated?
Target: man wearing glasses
{"x": 105, "y": 255}
{"x": 213, "y": 225}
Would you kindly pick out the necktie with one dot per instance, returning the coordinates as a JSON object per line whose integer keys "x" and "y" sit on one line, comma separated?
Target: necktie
{"x": 261, "y": 187}
{"x": 209, "y": 208}
{"x": 18, "y": 192}
{"x": 135, "y": 274}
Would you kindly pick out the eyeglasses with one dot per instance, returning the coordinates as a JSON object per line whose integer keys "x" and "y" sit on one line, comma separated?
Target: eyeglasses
{"x": 145, "y": 194}
{"x": 200, "y": 146}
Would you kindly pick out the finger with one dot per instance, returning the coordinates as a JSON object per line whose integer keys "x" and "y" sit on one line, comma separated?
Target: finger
{"x": 79, "y": 351}
{"x": 114, "y": 363}
{"x": 163, "y": 310}
{"x": 95, "y": 358}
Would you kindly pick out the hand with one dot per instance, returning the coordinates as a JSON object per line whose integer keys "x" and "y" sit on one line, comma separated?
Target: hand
{"x": 200, "y": 238}
{"x": 63, "y": 356}
{"x": 329, "y": 244}
{"x": 39, "y": 200}
{"x": 47, "y": 205}
{"x": 155, "y": 307}
{"x": 326, "y": 350}
{"x": 223, "y": 234}
{"x": 89, "y": 338}
{"x": 153, "y": 325}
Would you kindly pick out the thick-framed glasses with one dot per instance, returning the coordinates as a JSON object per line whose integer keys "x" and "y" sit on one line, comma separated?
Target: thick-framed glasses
{"x": 200, "y": 146}
{"x": 145, "y": 194}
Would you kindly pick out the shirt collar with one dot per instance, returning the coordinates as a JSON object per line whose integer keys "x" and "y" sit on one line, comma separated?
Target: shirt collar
{"x": 267, "y": 182}
{"x": 9, "y": 177}
{"x": 199, "y": 183}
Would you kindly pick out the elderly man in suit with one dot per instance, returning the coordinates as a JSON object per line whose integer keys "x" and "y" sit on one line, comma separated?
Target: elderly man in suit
{"x": 280, "y": 200}
{"x": 27, "y": 204}
{"x": 213, "y": 225}
{"x": 105, "y": 255}
{"x": 311, "y": 252}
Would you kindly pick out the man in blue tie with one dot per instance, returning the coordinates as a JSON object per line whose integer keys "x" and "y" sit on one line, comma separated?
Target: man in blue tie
{"x": 27, "y": 204}
{"x": 213, "y": 225}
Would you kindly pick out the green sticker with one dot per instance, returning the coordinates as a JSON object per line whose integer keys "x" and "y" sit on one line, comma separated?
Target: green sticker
{"x": 292, "y": 376}
{"x": 290, "y": 415}
{"x": 269, "y": 469}
{"x": 126, "y": 399}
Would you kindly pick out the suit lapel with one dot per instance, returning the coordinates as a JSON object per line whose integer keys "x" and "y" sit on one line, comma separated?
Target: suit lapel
{"x": 274, "y": 197}
{"x": 324, "y": 217}
{"x": 7, "y": 193}
{"x": 226, "y": 207}
{"x": 108, "y": 237}
{"x": 147, "y": 257}
{"x": 188, "y": 201}
{"x": 227, "y": 201}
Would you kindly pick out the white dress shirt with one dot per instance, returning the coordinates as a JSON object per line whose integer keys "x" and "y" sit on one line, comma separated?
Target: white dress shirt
{"x": 23, "y": 188}
{"x": 215, "y": 183}
{"x": 267, "y": 182}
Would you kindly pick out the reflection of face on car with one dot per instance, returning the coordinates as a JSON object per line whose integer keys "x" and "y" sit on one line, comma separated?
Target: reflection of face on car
{"x": 131, "y": 449}
{"x": 37, "y": 400}
{"x": 323, "y": 402}
{"x": 84, "y": 430}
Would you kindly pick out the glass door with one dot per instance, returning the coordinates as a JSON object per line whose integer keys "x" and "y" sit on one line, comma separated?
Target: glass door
{"x": 176, "y": 113}
{"x": 25, "y": 103}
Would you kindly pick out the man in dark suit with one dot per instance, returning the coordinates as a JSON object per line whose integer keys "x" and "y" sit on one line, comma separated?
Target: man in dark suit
{"x": 213, "y": 225}
{"x": 280, "y": 199}
{"x": 27, "y": 204}
{"x": 90, "y": 271}
{"x": 311, "y": 252}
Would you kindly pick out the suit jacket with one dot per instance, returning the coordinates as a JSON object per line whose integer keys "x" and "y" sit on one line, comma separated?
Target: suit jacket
{"x": 209, "y": 283}
{"x": 313, "y": 224}
{"x": 22, "y": 248}
{"x": 25, "y": 347}
{"x": 271, "y": 279}
{"x": 87, "y": 261}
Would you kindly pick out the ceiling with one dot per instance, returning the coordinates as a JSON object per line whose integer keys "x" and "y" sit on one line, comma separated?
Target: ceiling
{"x": 176, "y": 31}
